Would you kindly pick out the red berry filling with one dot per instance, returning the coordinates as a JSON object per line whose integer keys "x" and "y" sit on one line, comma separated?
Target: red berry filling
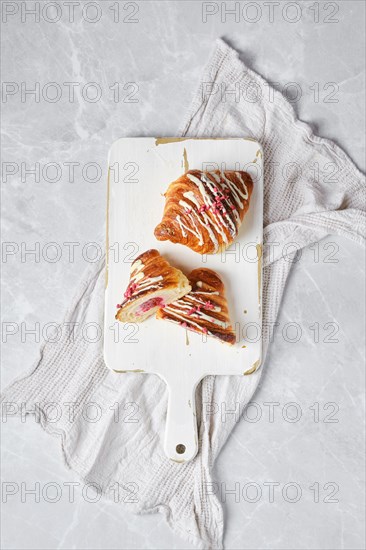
{"x": 149, "y": 304}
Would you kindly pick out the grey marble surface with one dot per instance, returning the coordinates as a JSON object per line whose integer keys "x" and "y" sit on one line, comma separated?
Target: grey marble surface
{"x": 158, "y": 60}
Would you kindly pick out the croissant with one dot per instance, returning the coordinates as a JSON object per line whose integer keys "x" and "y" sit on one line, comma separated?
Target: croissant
{"x": 204, "y": 210}
{"x": 204, "y": 309}
{"x": 153, "y": 284}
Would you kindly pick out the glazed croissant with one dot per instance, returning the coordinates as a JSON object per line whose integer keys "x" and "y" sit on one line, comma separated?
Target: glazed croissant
{"x": 204, "y": 210}
{"x": 153, "y": 284}
{"x": 204, "y": 309}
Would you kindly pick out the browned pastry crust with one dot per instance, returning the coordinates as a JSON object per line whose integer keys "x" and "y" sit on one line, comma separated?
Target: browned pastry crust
{"x": 204, "y": 210}
{"x": 153, "y": 284}
{"x": 204, "y": 309}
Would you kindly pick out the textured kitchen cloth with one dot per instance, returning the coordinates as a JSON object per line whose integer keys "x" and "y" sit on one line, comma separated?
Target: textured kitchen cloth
{"x": 312, "y": 189}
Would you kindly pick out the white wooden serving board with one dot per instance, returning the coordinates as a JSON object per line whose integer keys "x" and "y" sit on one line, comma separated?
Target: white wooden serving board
{"x": 140, "y": 170}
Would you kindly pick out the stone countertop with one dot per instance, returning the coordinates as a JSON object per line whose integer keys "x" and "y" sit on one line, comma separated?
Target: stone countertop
{"x": 102, "y": 70}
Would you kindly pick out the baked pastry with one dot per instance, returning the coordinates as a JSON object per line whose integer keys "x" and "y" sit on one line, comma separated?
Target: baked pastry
{"x": 204, "y": 309}
{"x": 153, "y": 284}
{"x": 204, "y": 210}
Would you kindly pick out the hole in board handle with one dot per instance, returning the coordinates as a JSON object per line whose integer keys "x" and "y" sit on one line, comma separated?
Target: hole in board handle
{"x": 181, "y": 449}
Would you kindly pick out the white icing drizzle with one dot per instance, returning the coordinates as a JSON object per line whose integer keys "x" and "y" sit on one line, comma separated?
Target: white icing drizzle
{"x": 236, "y": 191}
{"x": 209, "y": 203}
{"x": 197, "y": 215}
{"x": 136, "y": 268}
{"x": 173, "y": 309}
{"x": 192, "y": 197}
{"x": 137, "y": 265}
{"x": 215, "y": 176}
{"x": 183, "y": 319}
{"x": 233, "y": 190}
{"x": 232, "y": 206}
{"x": 217, "y": 221}
{"x": 183, "y": 304}
{"x": 206, "y": 218}
{"x": 207, "y": 292}
{"x": 213, "y": 320}
{"x": 149, "y": 283}
{"x": 194, "y": 231}
{"x": 245, "y": 195}
{"x": 227, "y": 216}
{"x": 181, "y": 308}
{"x": 138, "y": 275}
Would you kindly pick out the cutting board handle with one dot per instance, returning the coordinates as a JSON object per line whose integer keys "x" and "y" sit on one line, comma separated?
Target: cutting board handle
{"x": 181, "y": 442}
